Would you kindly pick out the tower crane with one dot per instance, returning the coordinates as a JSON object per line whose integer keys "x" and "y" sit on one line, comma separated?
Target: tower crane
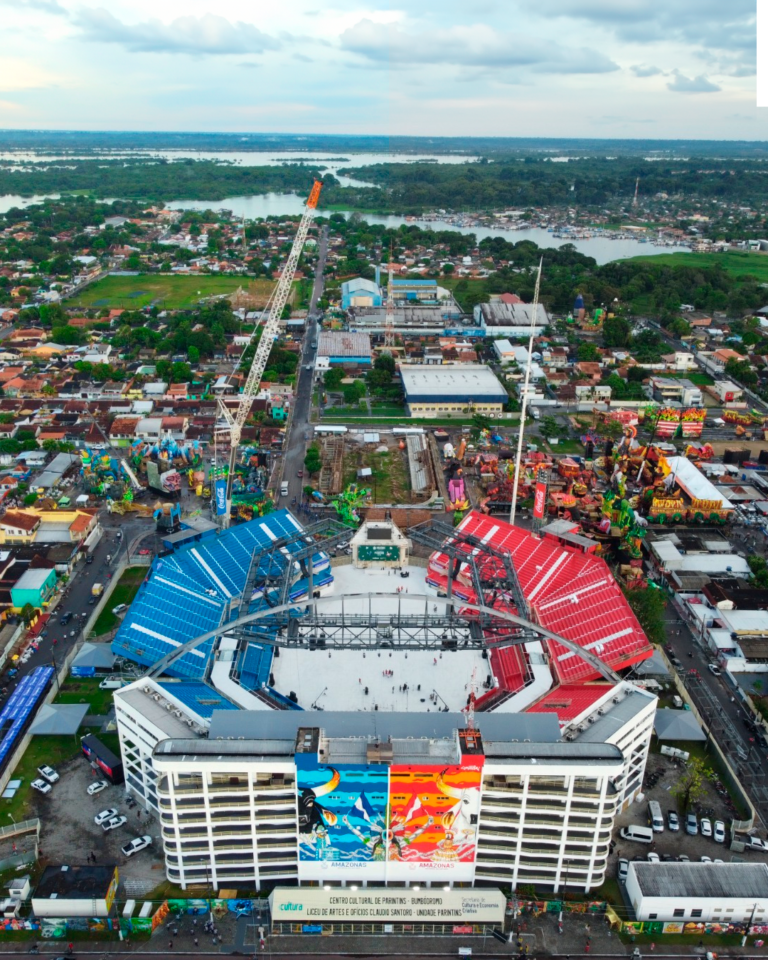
{"x": 233, "y": 423}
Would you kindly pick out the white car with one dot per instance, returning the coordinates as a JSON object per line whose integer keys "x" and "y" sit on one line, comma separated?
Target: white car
{"x": 96, "y": 787}
{"x": 42, "y": 785}
{"x": 719, "y": 834}
{"x": 138, "y": 843}
{"x": 713, "y": 669}
{"x": 706, "y": 859}
{"x": 48, "y": 773}
{"x": 623, "y": 869}
{"x": 705, "y": 826}
{"x": 653, "y": 858}
{"x": 104, "y": 816}
{"x": 113, "y": 823}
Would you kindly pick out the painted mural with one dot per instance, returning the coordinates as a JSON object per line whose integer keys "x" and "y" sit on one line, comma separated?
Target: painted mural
{"x": 433, "y": 814}
{"x": 342, "y": 812}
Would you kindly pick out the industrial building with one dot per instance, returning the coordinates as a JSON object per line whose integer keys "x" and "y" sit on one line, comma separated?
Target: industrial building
{"x": 360, "y": 293}
{"x": 502, "y": 319}
{"x": 445, "y": 391}
{"x": 421, "y": 318}
{"x": 727, "y": 893}
{"x": 341, "y": 349}
{"x": 426, "y": 291}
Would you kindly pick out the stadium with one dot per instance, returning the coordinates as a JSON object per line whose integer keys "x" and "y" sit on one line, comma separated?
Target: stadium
{"x": 456, "y": 718}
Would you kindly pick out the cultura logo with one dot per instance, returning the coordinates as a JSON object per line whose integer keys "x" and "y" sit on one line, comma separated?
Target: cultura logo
{"x": 292, "y": 906}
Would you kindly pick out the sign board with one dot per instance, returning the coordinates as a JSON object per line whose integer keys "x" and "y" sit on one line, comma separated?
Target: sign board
{"x": 378, "y": 552}
{"x": 539, "y": 500}
{"x": 221, "y": 497}
{"x": 311, "y": 905}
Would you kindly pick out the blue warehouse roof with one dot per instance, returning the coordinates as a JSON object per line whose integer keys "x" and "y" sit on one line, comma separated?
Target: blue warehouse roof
{"x": 187, "y": 594}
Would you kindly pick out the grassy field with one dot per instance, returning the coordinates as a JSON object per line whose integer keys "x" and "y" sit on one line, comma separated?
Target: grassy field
{"x": 86, "y": 690}
{"x": 699, "y": 378}
{"x": 124, "y": 592}
{"x": 170, "y": 292}
{"x": 390, "y": 480}
{"x": 738, "y": 264}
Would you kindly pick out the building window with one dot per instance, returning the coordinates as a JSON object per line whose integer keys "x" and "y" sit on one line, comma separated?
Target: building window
{"x": 652, "y": 916}
{"x": 695, "y": 913}
{"x": 680, "y": 912}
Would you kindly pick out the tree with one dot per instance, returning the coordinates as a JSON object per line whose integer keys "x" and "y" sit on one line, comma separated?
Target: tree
{"x": 690, "y": 785}
{"x": 193, "y": 354}
{"x": 587, "y": 353}
{"x": 332, "y": 378}
{"x": 648, "y": 606}
{"x": 313, "y": 461}
{"x": 616, "y": 331}
{"x": 28, "y": 613}
{"x": 549, "y": 427}
{"x": 30, "y": 499}
{"x": 741, "y": 370}
{"x": 385, "y": 362}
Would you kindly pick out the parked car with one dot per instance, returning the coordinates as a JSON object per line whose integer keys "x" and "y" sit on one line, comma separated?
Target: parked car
{"x": 138, "y": 843}
{"x": 104, "y": 816}
{"x": 653, "y": 858}
{"x": 623, "y": 869}
{"x": 706, "y": 859}
{"x": 65, "y": 619}
{"x": 113, "y": 823}
{"x": 41, "y": 785}
{"x": 96, "y": 787}
{"x": 719, "y": 834}
{"x": 92, "y": 601}
{"x": 705, "y": 826}
{"x": 48, "y": 773}
{"x": 89, "y": 559}
{"x": 673, "y": 821}
{"x": 753, "y": 843}
{"x": 683, "y": 858}
{"x": 713, "y": 669}
{"x": 691, "y": 824}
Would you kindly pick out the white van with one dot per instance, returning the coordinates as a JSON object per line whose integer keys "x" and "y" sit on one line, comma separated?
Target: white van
{"x": 655, "y": 817}
{"x": 108, "y": 684}
{"x": 636, "y": 833}
{"x": 284, "y": 488}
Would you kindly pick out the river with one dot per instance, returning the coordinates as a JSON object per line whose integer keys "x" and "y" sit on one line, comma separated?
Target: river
{"x": 602, "y": 248}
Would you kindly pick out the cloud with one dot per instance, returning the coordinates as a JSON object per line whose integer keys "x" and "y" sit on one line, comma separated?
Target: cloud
{"x": 683, "y": 84}
{"x": 208, "y": 34}
{"x": 473, "y": 46}
{"x": 644, "y": 71}
{"x": 711, "y": 24}
{"x": 43, "y": 6}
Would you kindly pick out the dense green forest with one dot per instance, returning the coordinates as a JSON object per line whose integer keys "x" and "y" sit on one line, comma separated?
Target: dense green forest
{"x": 156, "y": 179}
{"x": 534, "y": 182}
{"x": 404, "y": 187}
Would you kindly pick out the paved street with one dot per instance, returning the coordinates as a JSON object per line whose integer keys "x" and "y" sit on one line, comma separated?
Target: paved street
{"x": 78, "y": 593}
{"x": 294, "y": 450}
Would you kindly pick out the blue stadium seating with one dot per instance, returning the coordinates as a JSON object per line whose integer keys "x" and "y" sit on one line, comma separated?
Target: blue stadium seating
{"x": 199, "y": 697}
{"x": 189, "y": 592}
{"x": 255, "y": 667}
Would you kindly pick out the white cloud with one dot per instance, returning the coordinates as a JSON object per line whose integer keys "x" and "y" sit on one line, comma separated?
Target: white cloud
{"x": 207, "y": 34}
{"x": 683, "y": 84}
{"x": 641, "y": 70}
{"x": 36, "y": 6}
{"x": 473, "y": 46}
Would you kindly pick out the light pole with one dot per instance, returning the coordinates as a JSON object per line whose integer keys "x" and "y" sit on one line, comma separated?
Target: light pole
{"x": 11, "y": 816}
{"x": 751, "y": 921}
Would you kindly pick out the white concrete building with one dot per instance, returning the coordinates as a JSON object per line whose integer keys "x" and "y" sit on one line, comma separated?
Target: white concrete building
{"x": 699, "y": 892}
{"x": 540, "y": 803}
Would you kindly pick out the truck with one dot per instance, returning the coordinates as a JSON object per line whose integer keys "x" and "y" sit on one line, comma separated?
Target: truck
{"x": 97, "y": 589}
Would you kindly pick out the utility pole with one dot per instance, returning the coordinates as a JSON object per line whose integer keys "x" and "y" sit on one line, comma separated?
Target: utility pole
{"x": 389, "y": 322}
{"x": 524, "y": 398}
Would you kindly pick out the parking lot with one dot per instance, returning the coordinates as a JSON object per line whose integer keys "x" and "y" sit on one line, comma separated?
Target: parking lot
{"x": 69, "y": 834}
{"x": 676, "y": 843}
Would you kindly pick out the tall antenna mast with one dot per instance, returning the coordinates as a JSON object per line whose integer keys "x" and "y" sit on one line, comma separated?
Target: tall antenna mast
{"x": 389, "y": 322}
{"x": 524, "y": 404}
{"x": 637, "y": 187}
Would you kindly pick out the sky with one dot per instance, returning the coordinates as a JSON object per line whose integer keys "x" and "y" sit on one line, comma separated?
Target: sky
{"x": 558, "y": 68}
